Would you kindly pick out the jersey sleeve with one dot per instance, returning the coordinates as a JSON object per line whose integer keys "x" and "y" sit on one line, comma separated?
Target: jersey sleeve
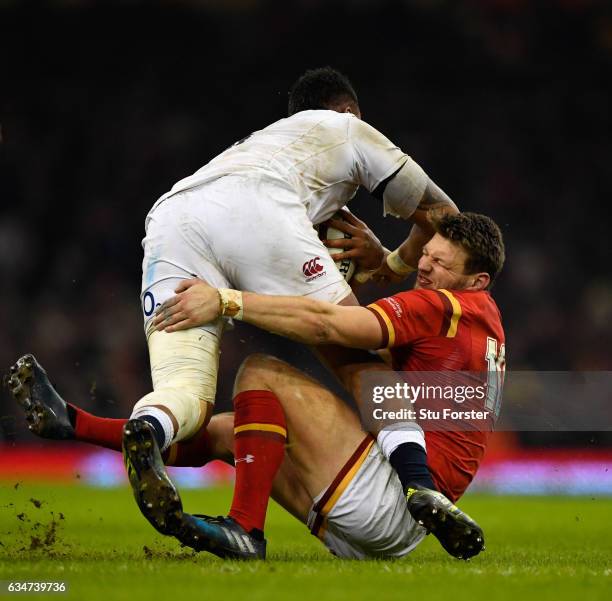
{"x": 409, "y": 316}
{"x": 378, "y": 160}
{"x": 376, "y": 157}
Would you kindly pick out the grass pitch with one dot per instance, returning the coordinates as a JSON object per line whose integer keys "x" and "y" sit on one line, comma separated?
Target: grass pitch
{"x": 97, "y": 542}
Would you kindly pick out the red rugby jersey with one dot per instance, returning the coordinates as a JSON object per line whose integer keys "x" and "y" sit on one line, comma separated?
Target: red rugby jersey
{"x": 442, "y": 330}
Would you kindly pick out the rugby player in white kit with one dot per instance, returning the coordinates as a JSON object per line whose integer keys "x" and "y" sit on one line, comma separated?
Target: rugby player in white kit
{"x": 245, "y": 221}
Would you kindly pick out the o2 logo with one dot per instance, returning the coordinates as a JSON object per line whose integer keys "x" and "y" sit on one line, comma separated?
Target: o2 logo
{"x": 148, "y": 304}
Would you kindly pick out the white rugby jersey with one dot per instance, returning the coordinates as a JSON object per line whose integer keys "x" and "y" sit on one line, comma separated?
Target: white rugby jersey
{"x": 321, "y": 156}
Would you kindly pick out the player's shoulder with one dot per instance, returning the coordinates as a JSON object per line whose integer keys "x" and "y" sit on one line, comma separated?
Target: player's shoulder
{"x": 477, "y": 301}
{"x": 350, "y": 127}
{"x": 439, "y": 303}
{"x": 478, "y": 306}
{"x": 323, "y": 117}
{"x": 424, "y": 296}
{"x": 412, "y": 315}
{"x": 323, "y": 125}
{"x": 419, "y": 299}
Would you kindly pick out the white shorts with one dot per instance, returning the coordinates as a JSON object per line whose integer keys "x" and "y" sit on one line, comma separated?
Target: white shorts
{"x": 236, "y": 232}
{"x": 363, "y": 513}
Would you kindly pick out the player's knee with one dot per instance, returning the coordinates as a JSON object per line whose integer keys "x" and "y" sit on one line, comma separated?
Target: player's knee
{"x": 256, "y": 372}
{"x": 187, "y": 411}
{"x": 184, "y": 369}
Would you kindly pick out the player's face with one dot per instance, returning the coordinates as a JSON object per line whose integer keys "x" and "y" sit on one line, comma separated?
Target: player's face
{"x": 442, "y": 265}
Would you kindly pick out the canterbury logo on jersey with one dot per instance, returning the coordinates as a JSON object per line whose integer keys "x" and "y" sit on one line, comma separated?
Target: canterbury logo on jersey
{"x": 313, "y": 269}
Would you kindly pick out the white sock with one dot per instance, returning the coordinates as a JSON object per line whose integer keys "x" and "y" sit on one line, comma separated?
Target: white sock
{"x": 162, "y": 417}
{"x": 392, "y": 437}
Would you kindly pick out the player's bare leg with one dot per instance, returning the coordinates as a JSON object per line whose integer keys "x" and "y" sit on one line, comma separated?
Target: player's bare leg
{"x": 323, "y": 431}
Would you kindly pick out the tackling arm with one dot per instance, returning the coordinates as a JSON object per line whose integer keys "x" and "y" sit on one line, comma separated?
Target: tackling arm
{"x": 313, "y": 321}
{"x": 302, "y": 319}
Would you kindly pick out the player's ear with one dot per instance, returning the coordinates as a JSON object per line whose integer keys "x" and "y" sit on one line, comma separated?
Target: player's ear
{"x": 479, "y": 281}
{"x": 353, "y": 109}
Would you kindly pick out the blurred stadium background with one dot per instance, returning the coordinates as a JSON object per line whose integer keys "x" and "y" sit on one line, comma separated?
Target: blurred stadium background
{"x": 104, "y": 105}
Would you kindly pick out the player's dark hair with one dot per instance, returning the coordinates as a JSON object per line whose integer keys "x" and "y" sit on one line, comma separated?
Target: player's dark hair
{"x": 481, "y": 239}
{"x": 320, "y": 89}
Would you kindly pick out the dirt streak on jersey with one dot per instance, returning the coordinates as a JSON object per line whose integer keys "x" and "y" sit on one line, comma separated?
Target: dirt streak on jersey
{"x": 442, "y": 330}
{"x": 321, "y": 156}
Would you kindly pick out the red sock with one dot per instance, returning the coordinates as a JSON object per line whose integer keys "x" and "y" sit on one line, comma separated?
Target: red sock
{"x": 107, "y": 432}
{"x": 101, "y": 431}
{"x": 195, "y": 452}
{"x": 260, "y": 432}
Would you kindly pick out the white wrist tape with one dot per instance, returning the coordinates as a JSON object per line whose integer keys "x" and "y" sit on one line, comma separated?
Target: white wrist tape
{"x": 397, "y": 265}
{"x": 363, "y": 276}
{"x": 230, "y": 302}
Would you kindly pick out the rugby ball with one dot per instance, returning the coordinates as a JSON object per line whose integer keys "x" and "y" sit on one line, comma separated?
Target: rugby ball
{"x": 347, "y": 266}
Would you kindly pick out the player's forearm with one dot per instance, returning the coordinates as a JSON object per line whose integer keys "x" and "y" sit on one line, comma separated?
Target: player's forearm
{"x": 302, "y": 319}
{"x": 411, "y": 249}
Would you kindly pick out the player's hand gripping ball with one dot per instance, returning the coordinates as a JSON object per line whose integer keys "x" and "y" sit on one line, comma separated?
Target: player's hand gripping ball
{"x": 346, "y": 266}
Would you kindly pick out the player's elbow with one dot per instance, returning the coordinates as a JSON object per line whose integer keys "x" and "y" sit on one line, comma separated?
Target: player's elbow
{"x": 322, "y": 330}
{"x": 318, "y": 324}
{"x": 329, "y": 331}
{"x": 449, "y": 207}
{"x": 435, "y": 199}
